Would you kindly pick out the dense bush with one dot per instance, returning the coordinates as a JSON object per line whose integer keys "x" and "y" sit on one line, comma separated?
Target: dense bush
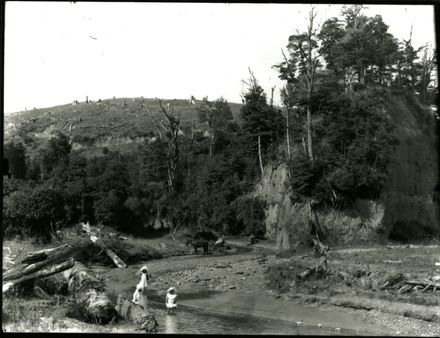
{"x": 15, "y": 153}
{"x": 33, "y": 213}
{"x": 353, "y": 145}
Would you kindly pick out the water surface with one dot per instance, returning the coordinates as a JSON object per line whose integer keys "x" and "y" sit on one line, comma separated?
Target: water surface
{"x": 196, "y": 321}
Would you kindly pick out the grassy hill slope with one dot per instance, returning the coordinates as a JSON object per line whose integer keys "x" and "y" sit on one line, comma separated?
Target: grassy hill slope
{"x": 118, "y": 121}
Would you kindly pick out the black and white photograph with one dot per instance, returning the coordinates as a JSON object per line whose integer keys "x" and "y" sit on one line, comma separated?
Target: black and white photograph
{"x": 221, "y": 168}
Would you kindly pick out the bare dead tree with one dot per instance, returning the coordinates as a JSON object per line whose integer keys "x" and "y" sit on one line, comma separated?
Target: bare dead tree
{"x": 311, "y": 69}
{"x": 168, "y": 129}
{"x": 271, "y": 95}
{"x": 172, "y": 128}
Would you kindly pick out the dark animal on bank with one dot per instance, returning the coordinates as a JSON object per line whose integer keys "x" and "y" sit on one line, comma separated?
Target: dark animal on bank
{"x": 198, "y": 243}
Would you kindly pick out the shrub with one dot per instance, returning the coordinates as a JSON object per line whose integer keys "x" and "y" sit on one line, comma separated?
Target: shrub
{"x": 33, "y": 213}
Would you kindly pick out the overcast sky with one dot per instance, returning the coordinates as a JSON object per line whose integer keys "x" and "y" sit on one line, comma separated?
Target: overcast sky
{"x": 57, "y": 52}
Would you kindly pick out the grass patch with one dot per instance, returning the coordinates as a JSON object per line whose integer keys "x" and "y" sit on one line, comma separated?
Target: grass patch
{"x": 31, "y": 311}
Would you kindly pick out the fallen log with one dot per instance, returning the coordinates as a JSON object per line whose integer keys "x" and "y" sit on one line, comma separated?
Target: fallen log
{"x": 40, "y": 255}
{"x": 422, "y": 283}
{"x": 40, "y": 274}
{"x": 139, "y": 316}
{"x": 89, "y": 294}
{"x": 97, "y": 241}
{"x": 392, "y": 262}
{"x": 24, "y": 269}
{"x": 404, "y": 288}
{"x": 116, "y": 260}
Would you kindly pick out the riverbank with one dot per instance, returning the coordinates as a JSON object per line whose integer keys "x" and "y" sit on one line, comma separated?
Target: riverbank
{"x": 237, "y": 283}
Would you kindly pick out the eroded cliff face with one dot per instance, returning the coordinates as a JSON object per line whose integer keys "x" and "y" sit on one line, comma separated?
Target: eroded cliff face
{"x": 288, "y": 223}
{"x": 406, "y": 199}
{"x": 408, "y": 195}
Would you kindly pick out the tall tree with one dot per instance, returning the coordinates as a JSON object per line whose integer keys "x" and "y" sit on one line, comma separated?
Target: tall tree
{"x": 425, "y": 69}
{"x": 215, "y": 114}
{"x": 300, "y": 71}
{"x": 407, "y": 63}
{"x": 260, "y": 120}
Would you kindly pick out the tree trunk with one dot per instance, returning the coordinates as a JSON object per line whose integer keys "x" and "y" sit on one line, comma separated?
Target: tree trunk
{"x": 309, "y": 133}
{"x": 40, "y": 274}
{"x": 310, "y": 80}
{"x": 259, "y": 156}
{"x": 41, "y": 255}
{"x": 116, "y": 260}
{"x": 287, "y": 134}
{"x": 271, "y": 95}
{"x": 211, "y": 143}
{"x": 97, "y": 241}
{"x": 136, "y": 314}
{"x": 58, "y": 255}
{"x": 89, "y": 294}
{"x": 304, "y": 144}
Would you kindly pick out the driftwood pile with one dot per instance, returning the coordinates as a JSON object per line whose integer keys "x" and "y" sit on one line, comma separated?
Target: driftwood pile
{"x": 87, "y": 290}
{"x": 392, "y": 281}
{"x": 320, "y": 269}
{"x": 402, "y": 285}
{"x": 38, "y": 265}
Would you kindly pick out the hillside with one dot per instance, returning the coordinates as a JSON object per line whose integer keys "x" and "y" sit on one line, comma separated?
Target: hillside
{"x": 111, "y": 123}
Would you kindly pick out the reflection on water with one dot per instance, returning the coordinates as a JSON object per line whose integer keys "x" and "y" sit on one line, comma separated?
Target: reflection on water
{"x": 193, "y": 321}
{"x": 170, "y": 325}
{"x": 188, "y": 320}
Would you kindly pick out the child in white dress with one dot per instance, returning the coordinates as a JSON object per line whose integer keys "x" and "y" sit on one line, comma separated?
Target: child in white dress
{"x": 170, "y": 300}
{"x": 140, "y": 294}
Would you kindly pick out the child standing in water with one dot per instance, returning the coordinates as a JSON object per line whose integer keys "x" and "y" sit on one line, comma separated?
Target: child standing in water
{"x": 140, "y": 294}
{"x": 170, "y": 300}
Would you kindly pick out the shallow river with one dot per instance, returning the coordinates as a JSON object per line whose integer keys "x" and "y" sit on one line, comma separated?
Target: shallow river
{"x": 196, "y": 321}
